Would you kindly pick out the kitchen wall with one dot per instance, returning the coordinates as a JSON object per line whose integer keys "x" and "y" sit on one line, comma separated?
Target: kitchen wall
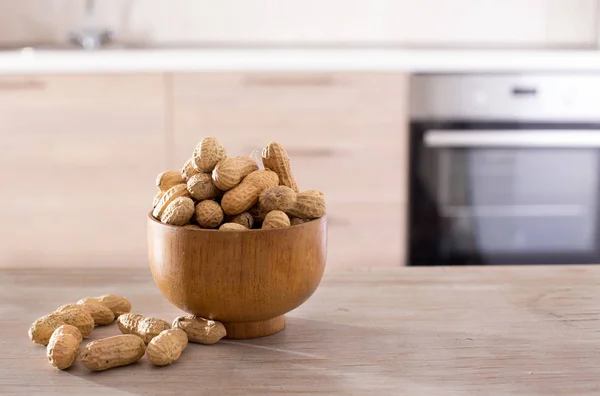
{"x": 427, "y": 23}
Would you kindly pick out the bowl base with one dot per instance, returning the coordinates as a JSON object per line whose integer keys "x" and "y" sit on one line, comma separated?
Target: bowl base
{"x": 260, "y": 328}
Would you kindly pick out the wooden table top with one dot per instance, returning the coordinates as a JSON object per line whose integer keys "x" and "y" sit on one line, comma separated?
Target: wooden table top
{"x": 420, "y": 331}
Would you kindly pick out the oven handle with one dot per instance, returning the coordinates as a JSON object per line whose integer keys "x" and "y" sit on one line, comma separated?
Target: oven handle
{"x": 573, "y": 138}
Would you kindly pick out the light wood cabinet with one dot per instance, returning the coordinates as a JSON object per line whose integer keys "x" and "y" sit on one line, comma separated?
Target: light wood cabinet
{"x": 78, "y": 163}
{"x": 345, "y": 132}
{"x": 80, "y": 155}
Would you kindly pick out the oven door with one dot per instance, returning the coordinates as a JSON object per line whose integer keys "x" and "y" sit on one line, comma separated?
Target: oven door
{"x": 504, "y": 193}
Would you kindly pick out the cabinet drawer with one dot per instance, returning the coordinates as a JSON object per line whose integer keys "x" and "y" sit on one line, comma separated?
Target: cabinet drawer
{"x": 280, "y": 100}
{"x": 351, "y": 174}
{"x": 366, "y": 235}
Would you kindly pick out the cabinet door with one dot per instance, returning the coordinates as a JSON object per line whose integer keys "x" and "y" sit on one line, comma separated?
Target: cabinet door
{"x": 79, "y": 158}
{"x": 345, "y": 133}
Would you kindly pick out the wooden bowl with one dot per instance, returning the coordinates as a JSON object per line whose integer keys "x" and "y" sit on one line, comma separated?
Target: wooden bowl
{"x": 247, "y": 280}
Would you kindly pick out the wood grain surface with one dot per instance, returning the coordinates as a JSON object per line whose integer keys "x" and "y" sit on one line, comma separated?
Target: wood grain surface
{"x": 417, "y": 331}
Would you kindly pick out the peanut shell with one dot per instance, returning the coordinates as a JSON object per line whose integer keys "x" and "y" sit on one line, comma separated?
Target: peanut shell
{"x": 207, "y": 154}
{"x": 209, "y": 214}
{"x": 245, "y": 195}
{"x": 112, "y": 352}
{"x": 244, "y": 219}
{"x": 200, "y": 330}
{"x": 258, "y": 213}
{"x": 80, "y": 319}
{"x": 188, "y": 170}
{"x": 166, "y": 347}
{"x": 179, "y": 212}
{"x": 296, "y": 221}
{"x": 145, "y": 328}
{"x": 63, "y": 346}
{"x": 229, "y": 172}
{"x": 309, "y": 205}
{"x": 128, "y": 323}
{"x": 101, "y": 314}
{"x": 232, "y": 227}
{"x": 72, "y": 307}
{"x": 276, "y": 219}
{"x": 276, "y": 159}
{"x": 180, "y": 190}
{"x": 277, "y": 198}
{"x": 119, "y": 305}
{"x": 168, "y": 179}
{"x": 157, "y": 198}
{"x": 41, "y": 330}
{"x": 201, "y": 187}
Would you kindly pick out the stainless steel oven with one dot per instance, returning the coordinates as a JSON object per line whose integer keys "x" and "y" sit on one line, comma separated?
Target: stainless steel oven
{"x": 504, "y": 169}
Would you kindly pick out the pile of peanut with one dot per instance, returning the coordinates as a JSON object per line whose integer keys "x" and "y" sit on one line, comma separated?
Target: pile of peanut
{"x": 232, "y": 194}
{"x": 63, "y": 331}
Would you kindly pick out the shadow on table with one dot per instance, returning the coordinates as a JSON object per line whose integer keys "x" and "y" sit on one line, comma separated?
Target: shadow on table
{"x": 308, "y": 355}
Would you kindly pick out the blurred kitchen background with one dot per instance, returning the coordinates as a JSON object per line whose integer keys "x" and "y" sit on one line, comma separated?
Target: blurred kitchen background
{"x": 442, "y": 132}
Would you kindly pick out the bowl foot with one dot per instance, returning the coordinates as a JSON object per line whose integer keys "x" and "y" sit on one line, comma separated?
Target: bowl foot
{"x": 260, "y": 328}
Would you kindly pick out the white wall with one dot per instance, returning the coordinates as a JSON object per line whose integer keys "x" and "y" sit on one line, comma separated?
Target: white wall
{"x": 447, "y": 23}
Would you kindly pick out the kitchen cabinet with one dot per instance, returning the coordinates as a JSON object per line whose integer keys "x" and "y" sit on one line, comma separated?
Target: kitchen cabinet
{"x": 79, "y": 158}
{"x": 345, "y": 133}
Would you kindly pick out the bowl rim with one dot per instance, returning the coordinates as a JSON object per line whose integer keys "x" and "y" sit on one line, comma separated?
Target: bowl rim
{"x": 233, "y": 231}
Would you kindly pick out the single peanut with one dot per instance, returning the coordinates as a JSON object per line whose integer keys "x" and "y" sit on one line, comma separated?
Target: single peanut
{"x": 168, "y": 179}
{"x": 166, "y": 347}
{"x": 145, "y": 328}
{"x": 41, "y": 330}
{"x": 201, "y": 187}
{"x": 119, "y": 305}
{"x": 209, "y": 214}
{"x": 208, "y": 153}
{"x": 276, "y": 219}
{"x": 309, "y": 205}
{"x": 200, "y": 330}
{"x": 188, "y": 170}
{"x": 297, "y": 221}
{"x": 245, "y": 195}
{"x": 113, "y": 352}
{"x": 179, "y": 212}
{"x": 277, "y": 198}
{"x": 244, "y": 219}
{"x": 232, "y": 227}
{"x": 229, "y": 172}
{"x": 101, "y": 314}
{"x": 276, "y": 159}
{"x": 64, "y": 346}
{"x": 180, "y": 190}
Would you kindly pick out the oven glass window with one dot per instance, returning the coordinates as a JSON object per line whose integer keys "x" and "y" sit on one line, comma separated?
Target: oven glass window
{"x": 516, "y": 200}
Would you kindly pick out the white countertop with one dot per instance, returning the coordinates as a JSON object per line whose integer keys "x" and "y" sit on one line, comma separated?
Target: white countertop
{"x": 127, "y": 61}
